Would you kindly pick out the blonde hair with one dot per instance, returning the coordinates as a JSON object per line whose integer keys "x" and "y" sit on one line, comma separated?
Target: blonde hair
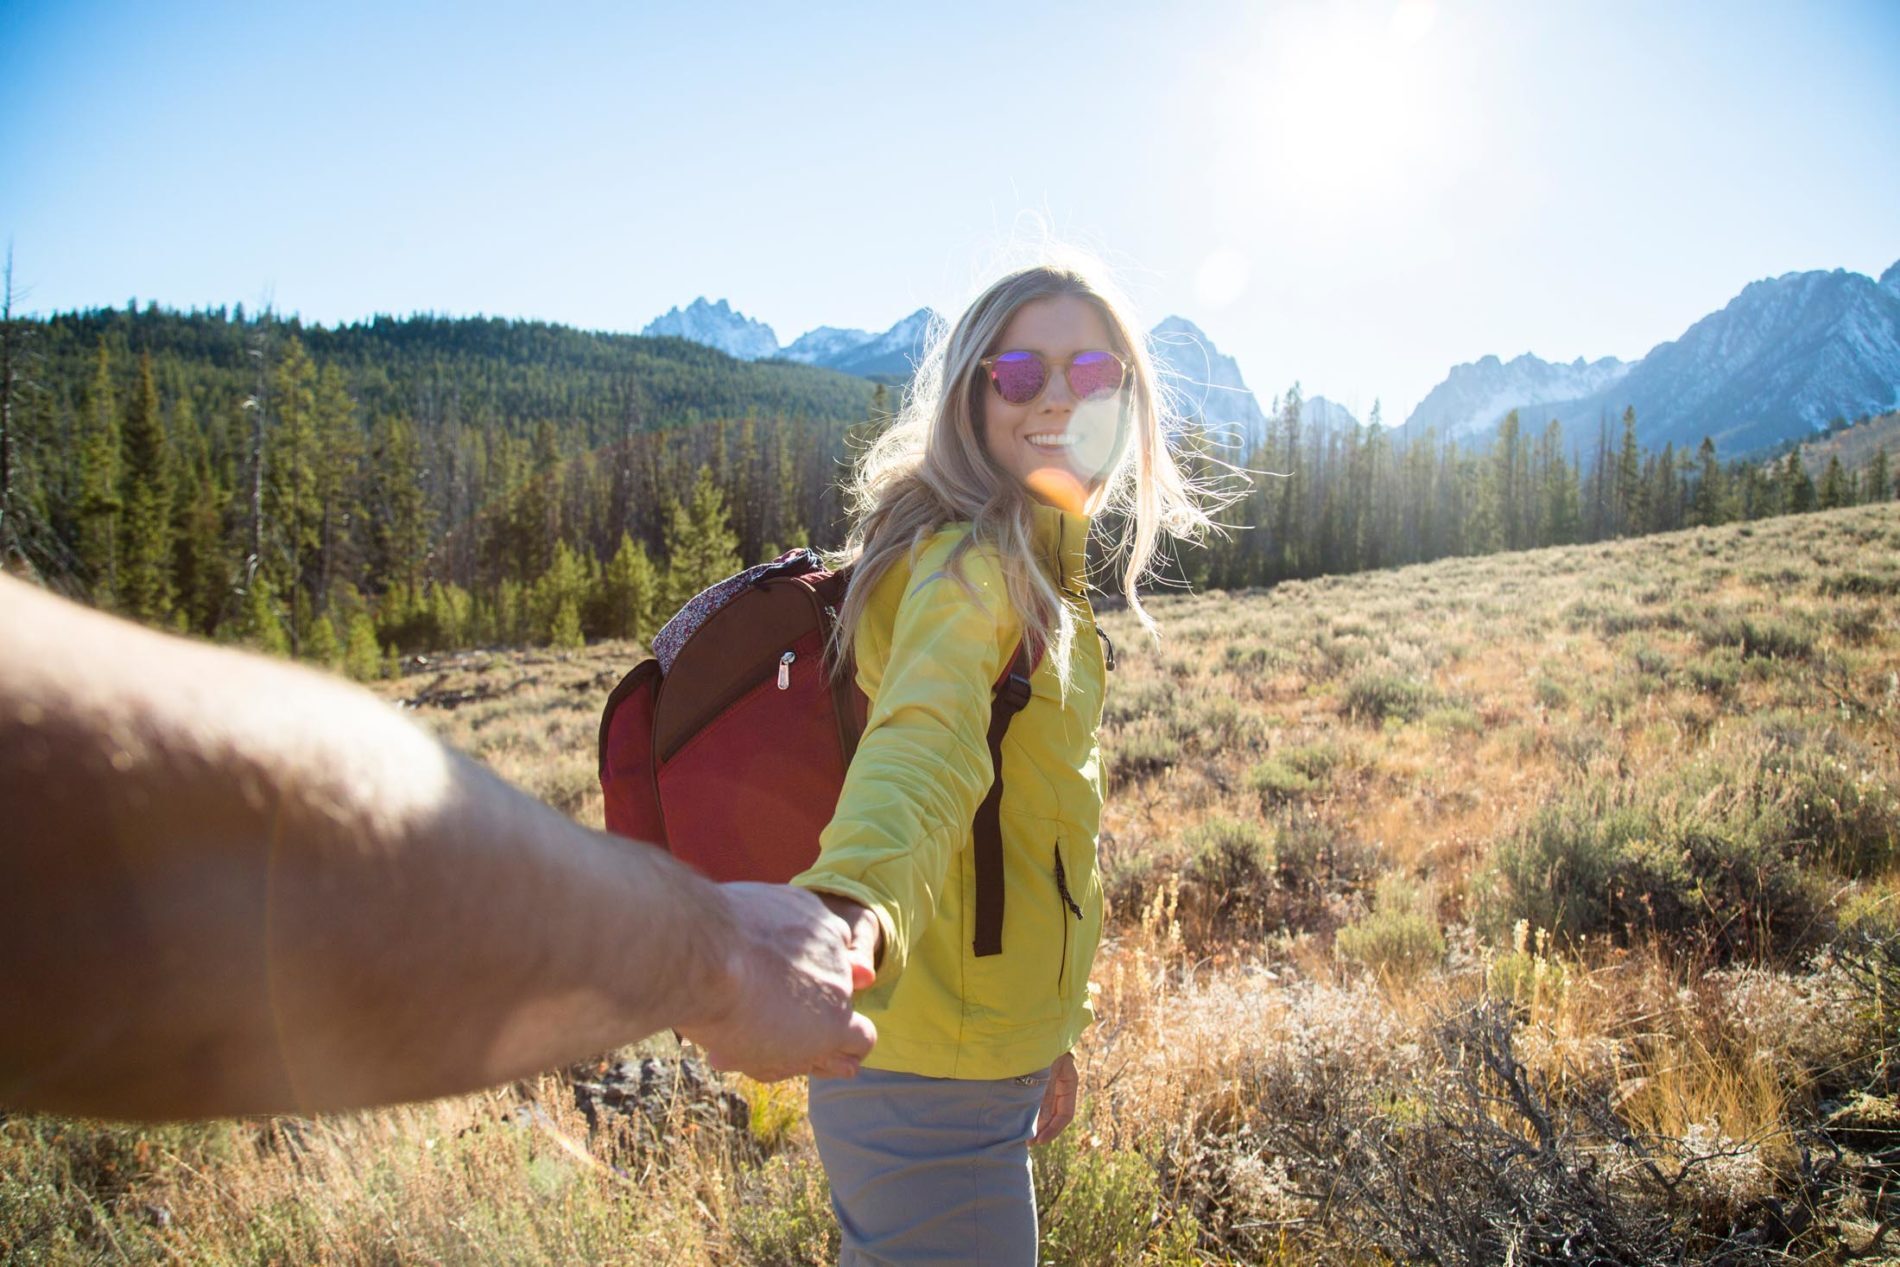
{"x": 930, "y": 468}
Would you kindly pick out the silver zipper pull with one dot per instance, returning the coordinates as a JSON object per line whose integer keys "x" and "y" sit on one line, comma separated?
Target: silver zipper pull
{"x": 785, "y": 670}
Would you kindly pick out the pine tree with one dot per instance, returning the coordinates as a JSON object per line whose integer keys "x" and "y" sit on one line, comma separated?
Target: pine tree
{"x": 97, "y": 480}
{"x": 394, "y": 504}
{"x": 292, "y": 502}
{"x": 1559, "y": 513}
{"x": 200, "y": 570}
{"x": 1836, "y": 489}
{"x": 556, "y": 599}
{"x": 1874, "y": 486}
{"x": 1797, "y": 490}
{"x": 700, "y": 545}
{"x": 338, "y": 457}
{"x": 362, "y": 658}
{"x": 1628, "y": 516}
{"x": 565, "y": 629}
{"x": 260, "y": 624}
{"x": 321, "y": 647}
{"x": 13, "y": 336}
{"x": 145, "y": 580}
{"x": 629, "y": 590}
{"x": 1711, "y": 493}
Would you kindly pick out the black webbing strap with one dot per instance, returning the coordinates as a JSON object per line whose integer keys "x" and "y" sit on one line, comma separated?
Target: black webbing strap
{"x": 1012, "y": 693}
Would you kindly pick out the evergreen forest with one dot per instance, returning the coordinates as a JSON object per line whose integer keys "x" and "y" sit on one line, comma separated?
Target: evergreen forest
{"x": 348, "y": 495}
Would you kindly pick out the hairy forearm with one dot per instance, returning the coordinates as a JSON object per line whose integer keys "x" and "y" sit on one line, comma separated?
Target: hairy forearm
{"x": 230, "y": 885}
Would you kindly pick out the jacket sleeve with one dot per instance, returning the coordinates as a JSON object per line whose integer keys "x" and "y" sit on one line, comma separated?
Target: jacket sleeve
{"x": 923, "y": 764}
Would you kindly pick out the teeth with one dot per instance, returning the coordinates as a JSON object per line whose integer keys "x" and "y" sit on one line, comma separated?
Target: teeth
{"x": 1056, "y": 440}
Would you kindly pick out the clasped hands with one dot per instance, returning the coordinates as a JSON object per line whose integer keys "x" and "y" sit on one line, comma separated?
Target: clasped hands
{"x": 785, "y": 1010}
{"x": 801, "y": 958}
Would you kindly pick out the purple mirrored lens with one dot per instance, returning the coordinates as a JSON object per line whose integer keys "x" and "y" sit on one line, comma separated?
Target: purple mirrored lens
{"x": 1018, "y": 376}
{"x": 1095, "y": 374}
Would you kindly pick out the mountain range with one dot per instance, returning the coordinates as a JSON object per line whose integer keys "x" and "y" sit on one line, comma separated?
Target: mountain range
{"x": 1781, "y": 360}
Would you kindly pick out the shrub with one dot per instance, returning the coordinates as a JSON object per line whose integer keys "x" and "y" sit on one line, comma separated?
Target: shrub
{"x": 1273, "y": 780}
{"x": 1758, "y": 636}
{"x": 1452, "y": 719}
{"x": 1856, "y": 624}
{"x": 1863, "y": 584}
{"x": 1832, "y": 809}
{"x": 1400, "y": 936}
{"x": 1103, "y": 1208}
{"x": 1522, "y": 976}
{"x": 1293, "y": 772}
{"x": 1377, "y": 694}
{"x": 1715, "y": 673}
{"x": 1144, "y": 750}
{"x": 1211, "y": 722}
{"x": 1649, "y": 660}
{"x": 1144, "y": 698}
{"x": 1549, "y": 693}
{"x": 1252, "y": 657}
{"x": 1232, "y": 861}
{"x": 1312, "y": 854}
{"x": 1627, "y": 861}
{"x": 786, "y": 1218}
{"x": 1493, "y": 1163}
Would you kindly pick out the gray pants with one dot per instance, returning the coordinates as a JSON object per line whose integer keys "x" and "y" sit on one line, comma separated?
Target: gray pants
{"x": 929, "y": 1170}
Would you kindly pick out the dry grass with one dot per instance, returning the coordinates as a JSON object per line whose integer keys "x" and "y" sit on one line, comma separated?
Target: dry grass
{"x": 1367, "y": 754}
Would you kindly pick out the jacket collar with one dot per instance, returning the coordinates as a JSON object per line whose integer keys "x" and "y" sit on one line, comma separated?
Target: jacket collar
{"x": 1062, "y": 538}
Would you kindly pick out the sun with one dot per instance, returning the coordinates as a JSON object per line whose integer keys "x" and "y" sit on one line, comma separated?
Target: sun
{"x": 1344, "y": 101}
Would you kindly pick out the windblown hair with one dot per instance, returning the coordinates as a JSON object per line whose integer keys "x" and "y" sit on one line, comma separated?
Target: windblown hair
{"x": 930, "y": 468}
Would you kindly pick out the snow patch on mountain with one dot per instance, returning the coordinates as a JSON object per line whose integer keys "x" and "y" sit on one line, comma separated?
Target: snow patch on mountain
{"x": 717, "y": 326}
{"x": 1477, "y": 394}
{"x": 821, "y": 346}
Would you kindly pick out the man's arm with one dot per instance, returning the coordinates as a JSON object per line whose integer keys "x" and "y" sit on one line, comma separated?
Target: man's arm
{"x": 230, "y": 885}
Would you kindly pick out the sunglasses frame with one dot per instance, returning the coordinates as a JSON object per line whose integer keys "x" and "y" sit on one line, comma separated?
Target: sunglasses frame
{"x": 988, "y": 364}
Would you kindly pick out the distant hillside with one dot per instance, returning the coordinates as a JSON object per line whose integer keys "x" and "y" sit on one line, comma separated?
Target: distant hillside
{"x": 481, "y": 371}
{"x": 1856, "y": 446}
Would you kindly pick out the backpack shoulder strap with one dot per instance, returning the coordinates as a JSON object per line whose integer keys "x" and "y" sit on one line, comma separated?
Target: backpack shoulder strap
{"x": 1012, "y": 693}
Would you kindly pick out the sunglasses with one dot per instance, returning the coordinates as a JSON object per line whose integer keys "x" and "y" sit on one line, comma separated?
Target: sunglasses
{"x": 1020, "y": 377}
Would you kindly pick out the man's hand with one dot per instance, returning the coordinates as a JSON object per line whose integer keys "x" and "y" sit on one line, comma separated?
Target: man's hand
{"x": 866, "y": 940}
{"x": 1058, "y": 1100}
{"x": 793, "y": 973}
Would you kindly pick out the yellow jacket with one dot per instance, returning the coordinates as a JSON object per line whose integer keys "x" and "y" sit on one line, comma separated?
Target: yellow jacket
{"x": 928, "y": 653}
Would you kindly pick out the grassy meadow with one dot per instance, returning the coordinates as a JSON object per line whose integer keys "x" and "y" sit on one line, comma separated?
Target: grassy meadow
{"x": 1534, "y": 908}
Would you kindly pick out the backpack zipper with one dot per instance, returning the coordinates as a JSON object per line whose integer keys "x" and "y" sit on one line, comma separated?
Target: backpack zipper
{"x": 1062, "y": 891}
{"x": 785, "y": 670}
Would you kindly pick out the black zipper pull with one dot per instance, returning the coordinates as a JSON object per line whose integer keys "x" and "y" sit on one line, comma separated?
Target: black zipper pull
{"x": 1108, "y": 648}
{"x": 1062, "y": 885}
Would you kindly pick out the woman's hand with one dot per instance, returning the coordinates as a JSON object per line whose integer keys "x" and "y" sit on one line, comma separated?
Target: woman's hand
{"x": 1058, "y": 1099}
{"x": 864, "y": 944}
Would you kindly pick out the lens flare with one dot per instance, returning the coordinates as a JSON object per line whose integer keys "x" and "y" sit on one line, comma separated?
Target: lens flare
{"x": 1059, "y": 488}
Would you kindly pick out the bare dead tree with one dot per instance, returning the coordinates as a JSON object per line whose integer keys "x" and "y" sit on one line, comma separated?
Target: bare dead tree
{"x": 258, "y": 405}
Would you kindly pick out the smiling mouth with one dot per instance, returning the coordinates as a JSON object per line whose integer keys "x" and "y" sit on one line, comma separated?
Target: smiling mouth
{"x": 1052, "y": 440}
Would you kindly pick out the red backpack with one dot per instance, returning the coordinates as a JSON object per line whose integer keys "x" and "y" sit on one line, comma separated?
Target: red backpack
{"x": 729, "y": 747}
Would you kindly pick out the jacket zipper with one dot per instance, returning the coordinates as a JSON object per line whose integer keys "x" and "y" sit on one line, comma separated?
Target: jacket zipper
{"x": 1062, "y": 891}
{"x": 785, "y": 670}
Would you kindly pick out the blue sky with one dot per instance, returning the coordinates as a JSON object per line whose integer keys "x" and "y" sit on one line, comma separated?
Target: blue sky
{"x": 1355, "y": 195}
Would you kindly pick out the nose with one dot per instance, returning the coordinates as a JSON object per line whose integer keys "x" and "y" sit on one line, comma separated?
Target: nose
{"x": 1056, "y": 393}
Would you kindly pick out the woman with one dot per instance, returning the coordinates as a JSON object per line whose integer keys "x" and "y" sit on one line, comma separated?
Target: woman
{"x": 1036, "y": 411}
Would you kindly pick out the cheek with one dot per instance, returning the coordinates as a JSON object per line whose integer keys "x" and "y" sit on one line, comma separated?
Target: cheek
{"x": 994, "y": 421}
